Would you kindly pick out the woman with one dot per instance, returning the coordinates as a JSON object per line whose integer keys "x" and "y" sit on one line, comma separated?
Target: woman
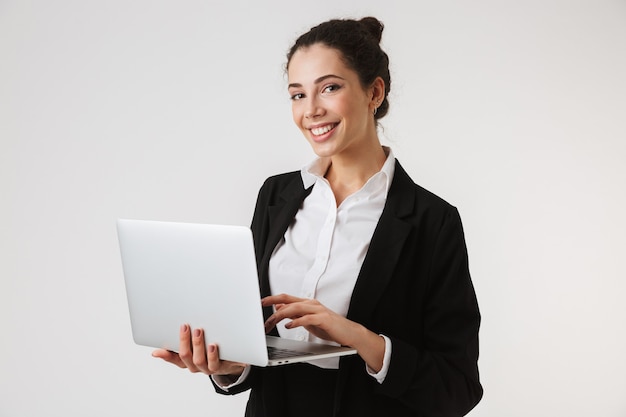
{"x": 351, "y": 251}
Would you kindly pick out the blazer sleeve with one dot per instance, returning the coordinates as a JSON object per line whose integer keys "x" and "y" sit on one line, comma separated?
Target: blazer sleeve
{"x": 440, "y": 376}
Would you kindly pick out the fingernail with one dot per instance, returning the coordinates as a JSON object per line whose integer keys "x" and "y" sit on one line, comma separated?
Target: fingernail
{"x": 183, "y": 328}
{"x": 211, "y": 348}
{"x": 197, "y": 333}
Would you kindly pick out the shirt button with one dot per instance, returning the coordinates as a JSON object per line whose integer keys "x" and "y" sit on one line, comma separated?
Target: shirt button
{"x": 300, "y": 337}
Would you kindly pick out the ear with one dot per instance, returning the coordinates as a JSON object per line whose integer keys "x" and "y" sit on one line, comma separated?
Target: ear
{"x": 377, "y": 93}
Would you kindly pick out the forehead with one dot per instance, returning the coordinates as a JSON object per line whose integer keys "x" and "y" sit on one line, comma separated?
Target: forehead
{"x": 311, "y": 62}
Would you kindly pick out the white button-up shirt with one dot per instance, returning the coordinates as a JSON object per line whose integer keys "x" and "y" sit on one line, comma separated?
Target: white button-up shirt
{"x": 322, "y": 251}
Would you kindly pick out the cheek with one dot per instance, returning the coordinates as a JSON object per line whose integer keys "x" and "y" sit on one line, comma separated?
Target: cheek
{"x": 296, "y": 115}
{"x": 359, "y": 112}
{"x": 346, "y": 108}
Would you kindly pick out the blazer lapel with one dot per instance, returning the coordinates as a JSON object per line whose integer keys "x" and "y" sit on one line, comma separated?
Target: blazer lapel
{"x": 385, "y": 248}
{"x": 280, "y": 217}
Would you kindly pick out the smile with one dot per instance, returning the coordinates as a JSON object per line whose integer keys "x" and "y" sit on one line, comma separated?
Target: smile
{"x": 317, "y": 131}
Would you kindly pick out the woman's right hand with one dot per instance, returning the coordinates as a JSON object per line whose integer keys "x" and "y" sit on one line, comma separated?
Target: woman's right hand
{"x": 195, "y": 355}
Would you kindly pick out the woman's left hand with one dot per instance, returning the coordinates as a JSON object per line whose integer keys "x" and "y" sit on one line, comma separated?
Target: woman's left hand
{"x": 314, "y": 317}
{"x": 326, "y": 324}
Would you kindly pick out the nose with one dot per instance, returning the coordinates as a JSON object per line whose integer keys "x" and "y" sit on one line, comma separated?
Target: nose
{"x": 313, "y": 109}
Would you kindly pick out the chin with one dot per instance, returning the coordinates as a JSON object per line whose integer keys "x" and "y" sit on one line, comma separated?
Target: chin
{"x": 323, "y": 151}
{"x": 326, "y": 148}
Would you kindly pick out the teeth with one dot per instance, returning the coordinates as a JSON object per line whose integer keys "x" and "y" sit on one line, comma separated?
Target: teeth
{"x": 321, "y": 130}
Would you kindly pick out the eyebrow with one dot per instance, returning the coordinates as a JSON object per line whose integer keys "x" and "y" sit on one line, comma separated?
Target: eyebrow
{"x": 317, "y": 81}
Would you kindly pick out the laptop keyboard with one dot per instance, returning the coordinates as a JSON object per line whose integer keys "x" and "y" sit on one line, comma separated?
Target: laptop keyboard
{"x": 277, "y": 353}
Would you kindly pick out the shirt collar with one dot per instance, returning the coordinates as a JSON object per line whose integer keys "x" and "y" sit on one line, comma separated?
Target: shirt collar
{"x": 317, "y": 168}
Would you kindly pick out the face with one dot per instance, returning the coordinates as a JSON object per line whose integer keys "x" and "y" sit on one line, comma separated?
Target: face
{"x": 329, "y": 105}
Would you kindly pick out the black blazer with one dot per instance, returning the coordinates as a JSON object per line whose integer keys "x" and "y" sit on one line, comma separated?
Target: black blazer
{"x": 414, "y": 287}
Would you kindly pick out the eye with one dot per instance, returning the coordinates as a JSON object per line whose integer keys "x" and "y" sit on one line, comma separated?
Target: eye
{"x": 331, "y": 88}
{"x": 296, "y": 96}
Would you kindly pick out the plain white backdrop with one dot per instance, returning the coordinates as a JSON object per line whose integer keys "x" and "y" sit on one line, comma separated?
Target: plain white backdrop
{"x": 513, "y": 111}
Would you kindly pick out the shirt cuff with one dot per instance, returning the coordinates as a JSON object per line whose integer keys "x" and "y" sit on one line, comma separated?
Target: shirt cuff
{"x": 225, "y": 382}
{"x": 380, "y": 375}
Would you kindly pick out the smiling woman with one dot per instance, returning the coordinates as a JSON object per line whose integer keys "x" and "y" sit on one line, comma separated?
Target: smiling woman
{"x": 335, "y": 113}
{"x": 350, "y": 251}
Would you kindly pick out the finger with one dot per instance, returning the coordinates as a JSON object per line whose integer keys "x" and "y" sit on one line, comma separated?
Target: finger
{"x": 213, "y": 358}
{"x": 305, "y": 321}
{"x": 269, "y": 325}
{"x": 218, "y": 366}
{"x": 169, "y": 356}
{"x": 294, "y": 310}
{"x": 272, "y": 322}
{"x": 185, "y": 350}
{"x": 199, "y": 351}
{"x": 289, "y": 311}
{"x": 280, "y": 299}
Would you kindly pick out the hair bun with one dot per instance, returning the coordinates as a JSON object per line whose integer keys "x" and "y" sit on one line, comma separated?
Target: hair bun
{"x": 373, "y": 26}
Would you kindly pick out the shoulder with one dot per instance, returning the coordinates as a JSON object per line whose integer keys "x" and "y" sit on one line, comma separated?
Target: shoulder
{"x": 276, "y": 185}
{"x": 280, "y": 187}
{"x": 426, "y": 212}
{"x": 282, "y": 180}
{"x": 423, "y": 199}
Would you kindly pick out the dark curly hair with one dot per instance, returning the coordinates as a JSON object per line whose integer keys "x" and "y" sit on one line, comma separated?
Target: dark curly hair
{"x": 359, "y": 44}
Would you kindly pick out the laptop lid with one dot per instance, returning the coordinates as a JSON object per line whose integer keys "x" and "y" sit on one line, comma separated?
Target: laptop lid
{"x": 204, "y": 275}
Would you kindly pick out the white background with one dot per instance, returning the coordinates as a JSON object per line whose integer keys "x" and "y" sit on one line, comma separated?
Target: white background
{"x": 514, "y": 111}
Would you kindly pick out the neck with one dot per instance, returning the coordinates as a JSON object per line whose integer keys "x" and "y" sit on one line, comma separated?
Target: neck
{"x": 348, "y": 173}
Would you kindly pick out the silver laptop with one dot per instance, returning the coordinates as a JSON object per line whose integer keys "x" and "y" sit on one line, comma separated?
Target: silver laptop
{"x": 206, "y": 276}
